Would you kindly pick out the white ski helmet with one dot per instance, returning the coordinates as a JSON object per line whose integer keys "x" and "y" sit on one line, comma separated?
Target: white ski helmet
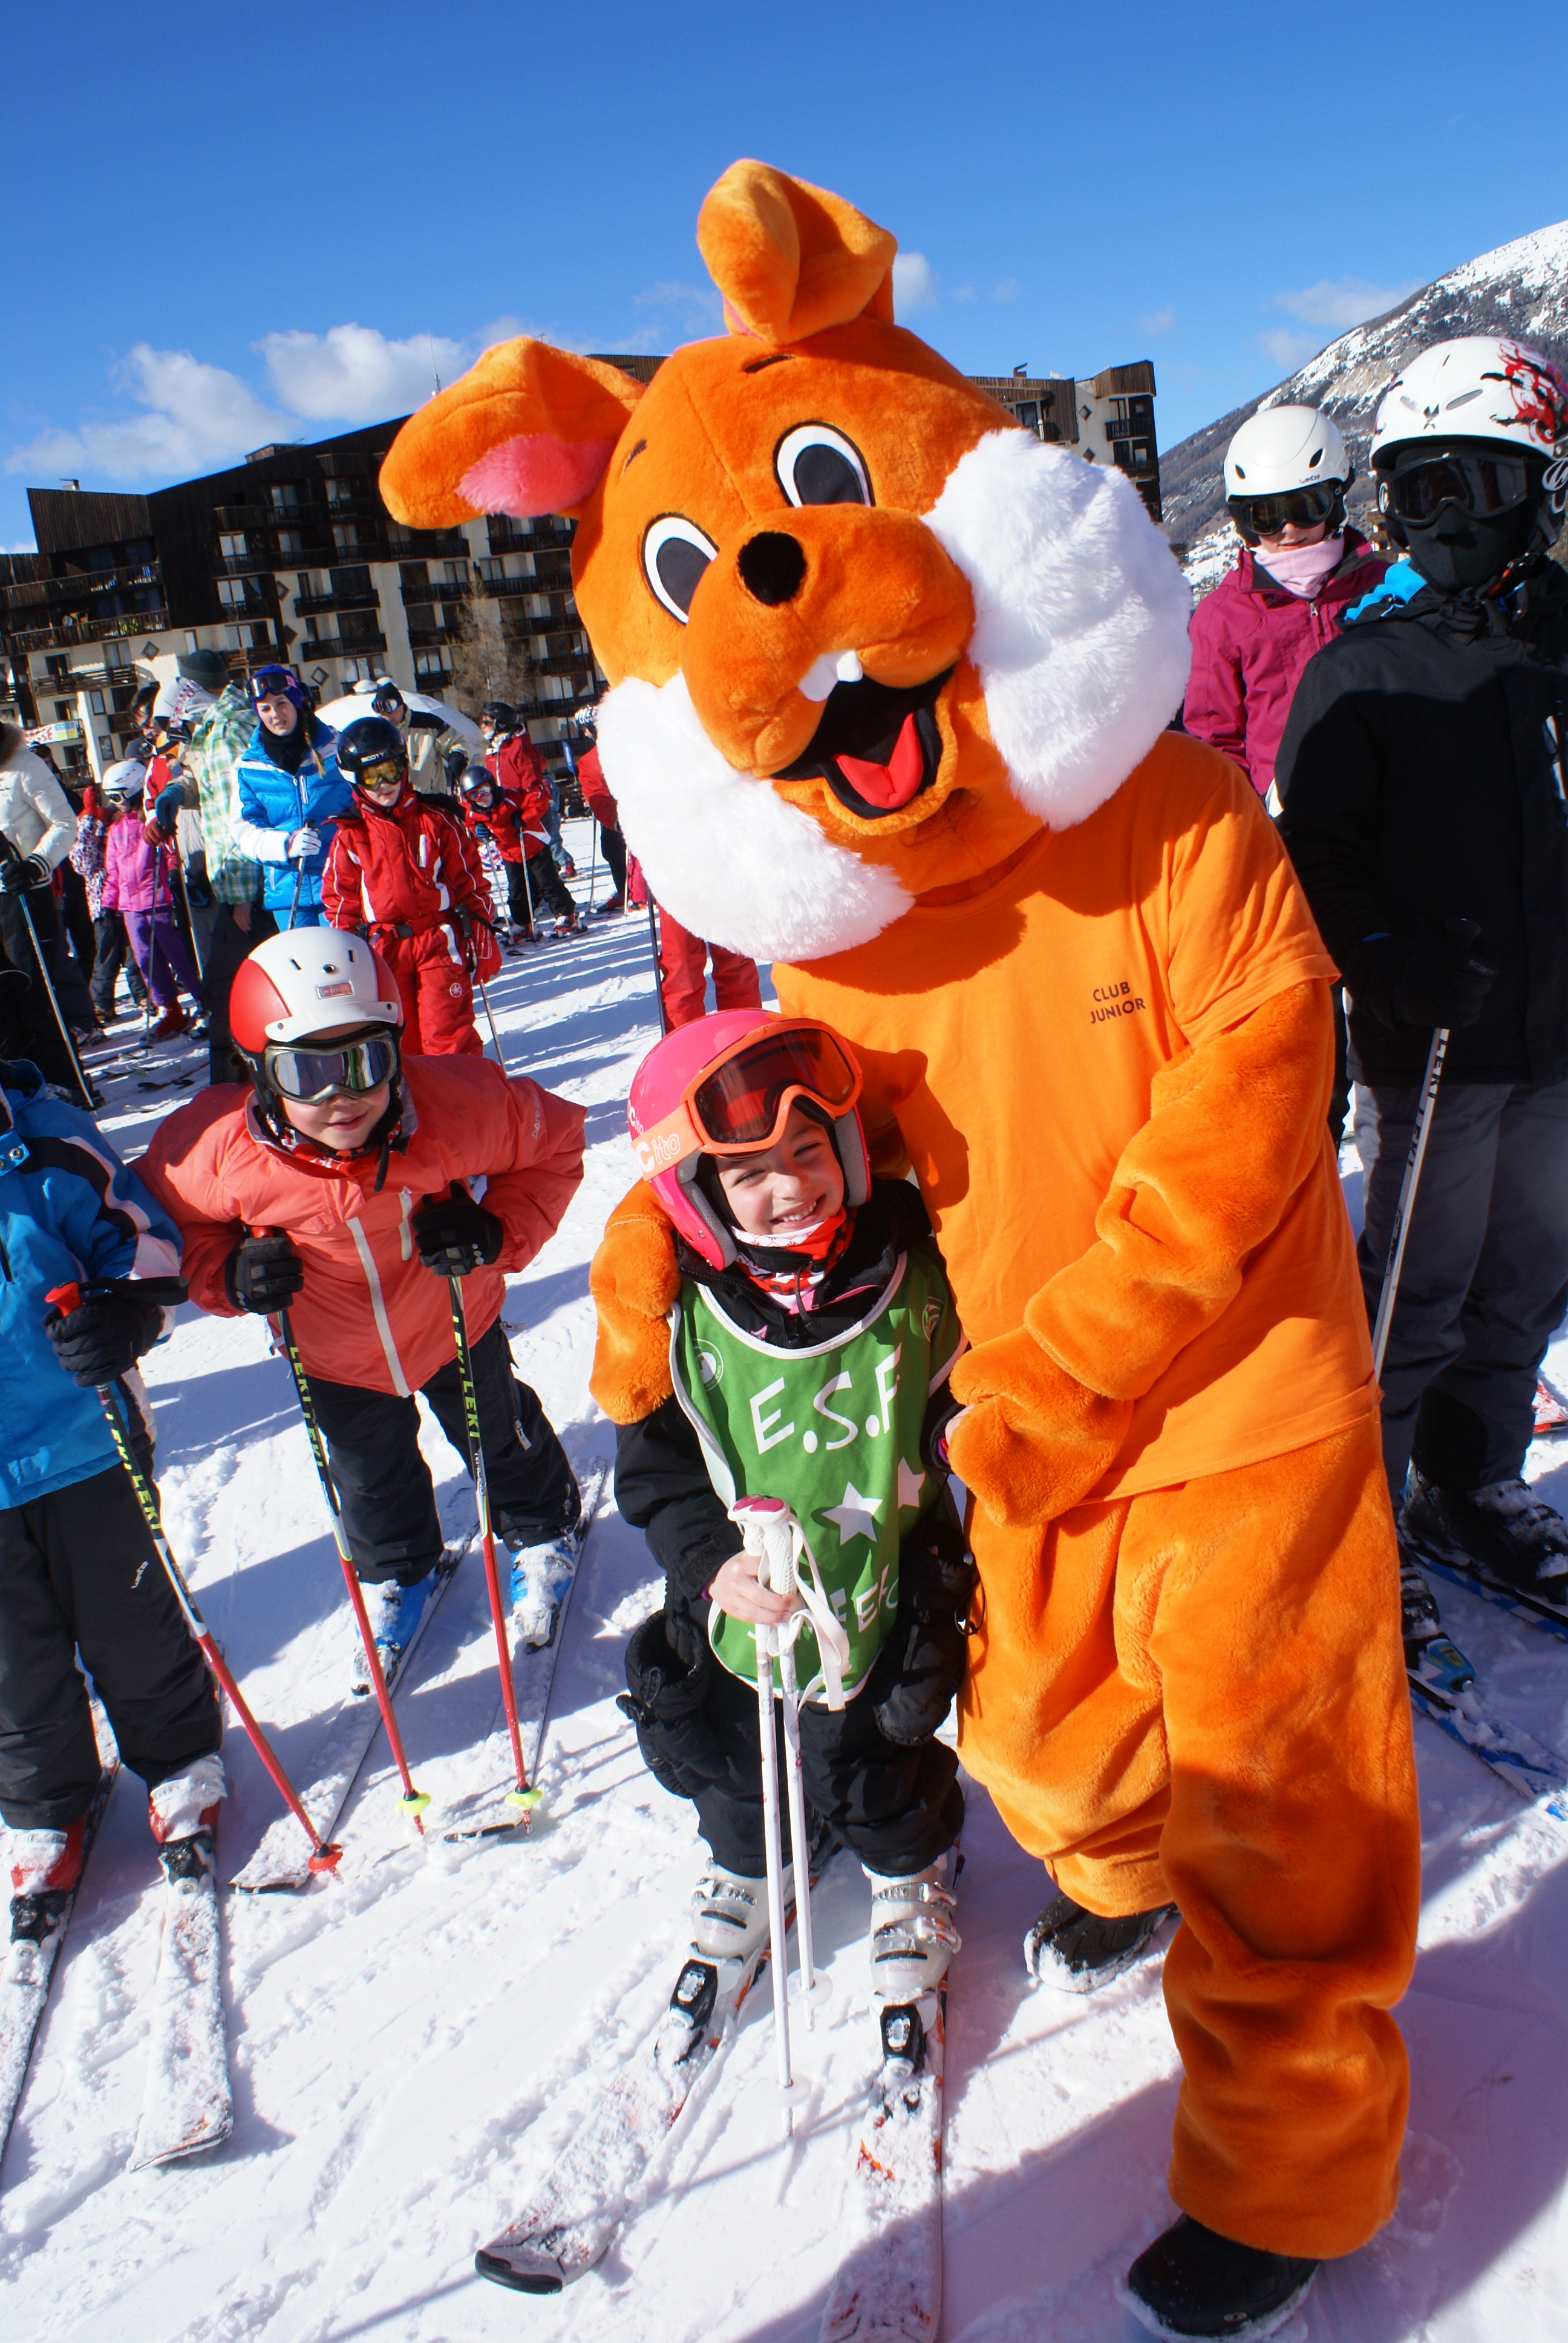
{"x": 1481, "y": 387}
{"x": 125, "y": 781}
{"x": 306, "y": 980}
{"x": 1285, "y": 447}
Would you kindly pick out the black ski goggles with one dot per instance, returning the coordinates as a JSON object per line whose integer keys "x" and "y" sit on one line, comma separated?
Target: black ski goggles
{"x": 1297, "y": 508}
{"x": 297, "y": 1071}
{"x": 1476, "y": 483}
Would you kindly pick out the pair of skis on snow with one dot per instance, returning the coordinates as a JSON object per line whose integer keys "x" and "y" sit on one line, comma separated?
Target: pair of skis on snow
{"x": 187, "y": 2105}
{"x": 1464, "y": 1721}
{"x": 889, "y": 2283}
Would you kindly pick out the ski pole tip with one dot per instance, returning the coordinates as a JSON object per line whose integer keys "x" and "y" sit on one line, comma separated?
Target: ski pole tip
{"x": 327, "y": 1858}
{"x": 528, "y": 1800}
{"x": 413, "y": 1803}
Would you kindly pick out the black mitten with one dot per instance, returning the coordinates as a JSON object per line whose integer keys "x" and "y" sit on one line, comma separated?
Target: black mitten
{"x": 104, "y": 1335}
{"x": 263, "y": 1272}
{"x": 920, "y": 1668}
{"x": 1412, "y": 987}
{"x": 454, "y": 1234}
{"x": 666, "y": 1698}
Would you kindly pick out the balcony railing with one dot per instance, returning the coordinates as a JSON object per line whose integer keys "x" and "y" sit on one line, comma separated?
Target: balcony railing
{"x": 333, "y": 647}
{"x": 417, "y": 544}
{"x": 80, "y": 679}
{"x": 566, "y": 663}
{"x": 306, "y": 604}
{"x": 89, "y": 630}
{"x": 544, "y": 535}
{"x": 423, "y": 638}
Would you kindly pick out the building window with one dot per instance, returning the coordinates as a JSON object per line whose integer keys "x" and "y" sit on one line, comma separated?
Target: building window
{"x": 345, "y": 535}
{"x": 231, "y": 593}
{"x": 57, "y": 667}
{"x": 97, "y": 703}
{"x": 430, "y": 667}
{"x": 339, "y": 492}
{"x": 191, "y": 642}
{"x": 456, "y": 573}
{"x": 284, "y": 497}
{"x": 232, "y": 548}
{"x": 289, "y": 540}
{"x": 62, "y": 712}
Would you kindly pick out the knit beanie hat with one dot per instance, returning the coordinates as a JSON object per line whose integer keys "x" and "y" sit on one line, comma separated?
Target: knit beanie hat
{"x": 209, "y": 669}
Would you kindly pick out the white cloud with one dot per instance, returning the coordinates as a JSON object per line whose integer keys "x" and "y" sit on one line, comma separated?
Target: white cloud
{"x": 1161, "y": 322}
{"x": 1008, "y": 290}
{"x": 963, "y": 292}
{"x": 697, "y": 307}
{"x": 914, "y": 284}
{"x": 1342, "y": 302}
{"x": 198, "y": 416}
{"x": 354, "y": 373}
{"x": 1288, "y": 349}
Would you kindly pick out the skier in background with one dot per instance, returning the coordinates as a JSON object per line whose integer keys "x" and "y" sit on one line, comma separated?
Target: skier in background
{"x": 800, "y": 1275}
{"x": 1422, "y": 776}
{"x": 290, "y": 792}
{"x": 519, "y": 771}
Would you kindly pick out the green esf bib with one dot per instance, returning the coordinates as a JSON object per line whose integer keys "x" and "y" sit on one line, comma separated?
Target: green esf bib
{"x": 833, "y": 1432}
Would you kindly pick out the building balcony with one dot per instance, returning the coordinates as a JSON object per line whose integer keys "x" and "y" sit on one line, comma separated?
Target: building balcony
{"x": 334, "y": 646}
{"x": 306, "y": 604}
{"x": 416, "y": 597}
{"x": 69, "y": 630}
{"x": 546, "y": 535}
{"x": 247, "y": 564}
{"x": 423, "y": 638}
{"x": 566, "y": 663}
{"x": 505, "y": 586}
{"x": 79, "y": 679}
{"x": 414, "y": 544}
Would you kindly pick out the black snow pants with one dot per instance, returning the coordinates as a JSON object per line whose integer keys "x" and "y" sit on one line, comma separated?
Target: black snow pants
{"x": 228, "y": 947}
{"x": 384, "y": 1482}
{"x": 542, "y": 890}
{"x": 43, "y": 1042}
{"x": 1485, "y": 1276}
{"x": 79, "y": 1572}
{"x": 897, "y": 1807}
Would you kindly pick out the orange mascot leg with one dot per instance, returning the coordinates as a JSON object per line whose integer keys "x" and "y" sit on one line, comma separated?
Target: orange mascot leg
{"x": 1198, "y": 1696}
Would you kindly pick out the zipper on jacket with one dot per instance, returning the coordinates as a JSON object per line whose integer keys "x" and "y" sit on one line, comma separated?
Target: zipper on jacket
{"x": 378, "y": 1308}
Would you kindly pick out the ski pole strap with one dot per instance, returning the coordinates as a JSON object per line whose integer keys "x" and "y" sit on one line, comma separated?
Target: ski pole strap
{"x": 770, "y": 1529}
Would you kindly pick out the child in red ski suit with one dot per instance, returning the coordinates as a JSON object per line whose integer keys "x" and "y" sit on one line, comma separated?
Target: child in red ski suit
{"x": 402, "y": 872}
{"x": 518, "y": 769}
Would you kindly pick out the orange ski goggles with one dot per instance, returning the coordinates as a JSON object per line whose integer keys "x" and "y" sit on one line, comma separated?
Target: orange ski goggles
{"x": 739, "y": 1104}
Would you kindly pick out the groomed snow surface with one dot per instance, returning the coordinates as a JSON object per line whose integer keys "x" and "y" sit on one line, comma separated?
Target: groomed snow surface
{"x": 412, "y": 2042}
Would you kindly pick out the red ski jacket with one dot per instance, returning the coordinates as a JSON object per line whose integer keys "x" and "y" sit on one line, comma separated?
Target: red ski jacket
{"x": 1251, "y": 639}
{"x": 501, "y": 821}
{"x": 411, "y": 865}
{"x": 370, "y": 1312}
{"x": 518, "y": 771}
{"x": 595, "y": 789}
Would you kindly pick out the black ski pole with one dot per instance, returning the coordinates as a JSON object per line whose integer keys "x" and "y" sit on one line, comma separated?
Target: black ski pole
{"x": 82, "y": 1083}
{"x": 657, "y": 971}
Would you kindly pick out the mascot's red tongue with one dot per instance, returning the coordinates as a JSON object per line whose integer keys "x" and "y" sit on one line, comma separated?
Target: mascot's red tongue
{"x": 893, "y": 784}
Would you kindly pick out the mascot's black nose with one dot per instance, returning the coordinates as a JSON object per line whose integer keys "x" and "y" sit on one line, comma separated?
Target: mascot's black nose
{"x": 772, "y": 566}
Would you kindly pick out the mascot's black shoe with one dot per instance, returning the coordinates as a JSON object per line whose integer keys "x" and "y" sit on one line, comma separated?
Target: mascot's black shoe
{"x": 1193, "y": 2282}
{"x": 1075, "y": 1950}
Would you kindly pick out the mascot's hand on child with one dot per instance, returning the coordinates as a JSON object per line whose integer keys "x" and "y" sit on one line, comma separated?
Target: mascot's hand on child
{"x": 1031, "y": 1442}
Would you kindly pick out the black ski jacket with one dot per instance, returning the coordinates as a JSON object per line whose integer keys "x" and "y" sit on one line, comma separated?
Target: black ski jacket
{"x": 1422, "y": 778}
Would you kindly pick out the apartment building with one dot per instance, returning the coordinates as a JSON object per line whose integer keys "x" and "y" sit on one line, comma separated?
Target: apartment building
{"x": 293, "y": 556}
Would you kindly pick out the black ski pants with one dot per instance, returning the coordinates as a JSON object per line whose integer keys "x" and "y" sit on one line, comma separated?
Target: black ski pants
{"x": 384, "y": 1482}
{"x": 1485, "y": 1276}
{"x": 614, "y": 845}
{"x": 897, "y": 1807}
{"x": 228, "y": 947}
{"x": 113, "y": 953}
{"x": 543, "y": 889}
{"x": 31, "y": 1010}
{"x": 79, "y": 1572}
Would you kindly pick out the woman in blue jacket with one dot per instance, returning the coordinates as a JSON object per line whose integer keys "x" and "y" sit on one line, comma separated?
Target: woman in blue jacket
{"x": 290, "y": 793}
{"x": 78, "y": 1570}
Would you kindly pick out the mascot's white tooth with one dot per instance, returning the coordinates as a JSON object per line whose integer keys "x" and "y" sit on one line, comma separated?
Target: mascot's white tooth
{"x": 821, "y": 676}
{"x": 847, "y": 667}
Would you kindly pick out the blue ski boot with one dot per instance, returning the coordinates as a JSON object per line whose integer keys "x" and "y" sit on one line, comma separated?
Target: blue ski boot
{"x": 395, "y": 1612}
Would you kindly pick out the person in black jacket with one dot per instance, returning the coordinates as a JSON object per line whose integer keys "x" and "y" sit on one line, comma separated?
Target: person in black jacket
{"x": 1425, "y": 790}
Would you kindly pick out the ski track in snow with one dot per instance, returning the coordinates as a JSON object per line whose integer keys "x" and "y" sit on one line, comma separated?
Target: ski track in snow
{"x": 411, "y": 2042}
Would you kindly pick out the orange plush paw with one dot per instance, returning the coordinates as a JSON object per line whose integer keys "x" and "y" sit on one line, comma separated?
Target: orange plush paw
{"x": 1032, "y": 1441}
{"x": 634, "y": 1280}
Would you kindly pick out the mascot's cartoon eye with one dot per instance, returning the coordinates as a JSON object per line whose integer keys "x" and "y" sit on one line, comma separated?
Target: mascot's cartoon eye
{"x": 675, "y": 553}
{"x": 817, "y": 466}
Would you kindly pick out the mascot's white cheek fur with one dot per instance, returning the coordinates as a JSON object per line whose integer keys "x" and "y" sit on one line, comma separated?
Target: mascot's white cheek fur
{"x": 1080, "y": 643}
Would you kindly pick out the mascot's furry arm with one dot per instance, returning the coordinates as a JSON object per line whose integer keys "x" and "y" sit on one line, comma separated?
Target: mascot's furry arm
{"x": 634, "y": 1281}
{"x": 1234, "y": 1128}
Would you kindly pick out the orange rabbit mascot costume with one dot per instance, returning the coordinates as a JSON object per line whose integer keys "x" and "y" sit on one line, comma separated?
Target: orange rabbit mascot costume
{"x": 890, "y": 679}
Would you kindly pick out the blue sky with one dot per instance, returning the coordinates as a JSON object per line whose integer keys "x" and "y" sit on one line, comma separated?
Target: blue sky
{"x": 230, "y": 224}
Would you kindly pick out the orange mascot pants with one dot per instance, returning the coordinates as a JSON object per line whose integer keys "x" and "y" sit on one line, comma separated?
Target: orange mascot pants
{"x": 1198, "y": 1696}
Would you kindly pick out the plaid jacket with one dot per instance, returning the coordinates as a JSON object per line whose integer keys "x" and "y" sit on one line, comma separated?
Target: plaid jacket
{"x": 215, "y": 747}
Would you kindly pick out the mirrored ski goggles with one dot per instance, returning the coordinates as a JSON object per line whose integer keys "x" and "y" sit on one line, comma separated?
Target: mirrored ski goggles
{"x": 740, "y": 1105}
{"x": 1298, "y": 507}
{"x": 274, "y": 683}
{"x": 385, "y": 773}
{"x": 297, "y": 1071}
{"x": 1479, "y": 484}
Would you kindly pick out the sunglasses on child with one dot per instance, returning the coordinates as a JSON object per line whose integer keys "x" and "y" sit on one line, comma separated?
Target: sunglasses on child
{"x": 297, "y": 1071}
{"x": 1477, "y": 484}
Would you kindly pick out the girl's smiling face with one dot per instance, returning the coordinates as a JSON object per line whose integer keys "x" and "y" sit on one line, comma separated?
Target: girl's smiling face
{"x": 788, "y": 1187}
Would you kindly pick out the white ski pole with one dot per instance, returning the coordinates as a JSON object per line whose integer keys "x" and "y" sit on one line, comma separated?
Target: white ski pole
{"x": 790, "y": 2091}
{"x": 780, "y": 1533}
{"x": 1419, "y": 1132}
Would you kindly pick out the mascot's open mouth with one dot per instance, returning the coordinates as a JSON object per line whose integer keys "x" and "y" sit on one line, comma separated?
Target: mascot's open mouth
{"x": 876, "y": 749}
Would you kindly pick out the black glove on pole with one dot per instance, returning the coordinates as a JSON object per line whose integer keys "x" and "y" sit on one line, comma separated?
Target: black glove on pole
{"x": 263, "y": 1272}
{"x": 31, "y": 870}
{"x": 453, "y": 1233}
{"x": 112, "y": 1324}
{"x": 1420, "y": 986}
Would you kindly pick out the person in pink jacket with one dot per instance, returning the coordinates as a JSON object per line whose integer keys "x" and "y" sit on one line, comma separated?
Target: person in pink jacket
{"x": 1286, "y": 473}
{"x": 137, "y": 884}
{"x": 341, "y": 1188}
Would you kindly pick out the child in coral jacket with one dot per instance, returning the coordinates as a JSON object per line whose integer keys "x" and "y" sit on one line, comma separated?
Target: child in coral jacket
{"x": 401, "y": 871}
{"x": 338, "y": 1189}
{"x": 813, "y": 1333}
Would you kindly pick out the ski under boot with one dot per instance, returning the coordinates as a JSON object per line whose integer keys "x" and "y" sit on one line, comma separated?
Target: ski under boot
{"x": 1429, "y": 1654}
{"x": 1504, "y": 1530}
{"x": 540, "y": 1577}
{"x": 188, "y": 1801}
{"x": 45, "y": 1866}
{"x": 1076, "y": 1951}
{"x": 1192, "y": 2281}
{"x": 1551, "y": 1415}
{"x": 729, "y": 1913}
{"x": 913, "y": 1934}
{"x": 393, "y": 1612}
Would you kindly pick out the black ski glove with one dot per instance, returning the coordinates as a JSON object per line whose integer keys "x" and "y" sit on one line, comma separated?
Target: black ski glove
{"x": 920, "y": 1668}
{"x": 29, "y": 871}
{"x": 454, "y": 1234}
{"x": 104, "y": 1335}
{"x": 264, "y": 1274}
{"x": 1415, "y": 987}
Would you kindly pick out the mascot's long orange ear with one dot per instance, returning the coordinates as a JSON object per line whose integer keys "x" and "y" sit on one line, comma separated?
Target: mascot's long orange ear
{"x": 529, "y": 429}
{"x": 791, "y": 259}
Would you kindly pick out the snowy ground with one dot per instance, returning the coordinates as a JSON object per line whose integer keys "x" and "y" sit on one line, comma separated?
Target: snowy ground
{"x": 410, "y": 2044}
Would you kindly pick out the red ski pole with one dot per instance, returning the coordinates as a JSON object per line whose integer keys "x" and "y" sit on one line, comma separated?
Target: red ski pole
{"x": 413, "y": 1801}
{"x": 522, "y": 1794}
{"x": 325, "y": 1856}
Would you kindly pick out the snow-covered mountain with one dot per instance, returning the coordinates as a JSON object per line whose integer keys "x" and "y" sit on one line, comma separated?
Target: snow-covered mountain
{"x": 1521, "y": 288}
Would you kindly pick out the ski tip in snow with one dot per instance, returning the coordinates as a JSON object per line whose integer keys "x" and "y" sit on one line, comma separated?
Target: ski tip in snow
{"x": 536, "y": 2276}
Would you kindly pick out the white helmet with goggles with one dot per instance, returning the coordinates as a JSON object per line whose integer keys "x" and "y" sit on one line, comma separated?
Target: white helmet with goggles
{"x": 1287, "y": 464}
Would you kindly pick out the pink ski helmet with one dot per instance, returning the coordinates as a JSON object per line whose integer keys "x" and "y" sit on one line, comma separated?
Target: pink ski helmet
{"x": 729, "y": 1081}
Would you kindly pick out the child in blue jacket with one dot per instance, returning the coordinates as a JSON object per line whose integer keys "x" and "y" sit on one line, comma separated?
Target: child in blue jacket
{"x": 78, "y": 1569}
{"x": 290, "y": 793}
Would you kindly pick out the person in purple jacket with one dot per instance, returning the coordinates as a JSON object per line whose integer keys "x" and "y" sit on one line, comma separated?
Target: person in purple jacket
{"x": 1286, "y": 473}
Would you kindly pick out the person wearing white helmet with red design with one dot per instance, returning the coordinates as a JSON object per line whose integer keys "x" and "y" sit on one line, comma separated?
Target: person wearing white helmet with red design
{"x": 341, "y": 1188}
{"x": 1423, "y": 780}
